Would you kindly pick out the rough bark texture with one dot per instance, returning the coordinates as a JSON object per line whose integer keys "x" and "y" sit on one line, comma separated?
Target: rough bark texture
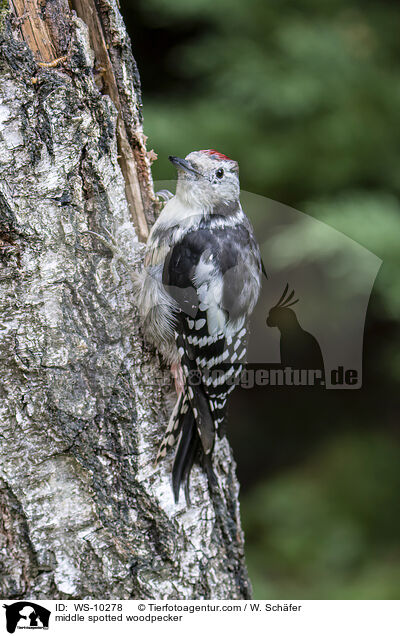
{"x": 83, "y": 513}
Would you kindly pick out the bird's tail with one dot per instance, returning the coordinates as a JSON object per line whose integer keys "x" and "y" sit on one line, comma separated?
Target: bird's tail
{"x": 189, "y": 445}
{"x": 183, "y": 425}
{"x": 174, "y": 427}
{"x": 185, "y": 456}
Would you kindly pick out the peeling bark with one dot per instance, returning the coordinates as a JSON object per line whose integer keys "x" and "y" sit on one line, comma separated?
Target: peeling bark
{"x": 83, "y": 400}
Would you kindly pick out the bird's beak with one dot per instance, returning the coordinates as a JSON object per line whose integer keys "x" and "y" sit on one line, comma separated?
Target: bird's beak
{"x": 182, "y": 164}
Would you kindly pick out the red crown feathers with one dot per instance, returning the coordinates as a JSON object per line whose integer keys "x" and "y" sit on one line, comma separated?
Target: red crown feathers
{"x": 215, "y": 153}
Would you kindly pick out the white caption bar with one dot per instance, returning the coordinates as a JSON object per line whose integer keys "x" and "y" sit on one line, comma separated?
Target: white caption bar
{"x": 279, "y": 618}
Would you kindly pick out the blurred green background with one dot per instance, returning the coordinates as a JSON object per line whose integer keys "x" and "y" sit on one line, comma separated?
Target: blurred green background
{"x": 305, "y": 95}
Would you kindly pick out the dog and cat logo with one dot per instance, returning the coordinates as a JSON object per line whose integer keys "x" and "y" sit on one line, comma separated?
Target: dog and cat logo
{"x": 26, "y": 615}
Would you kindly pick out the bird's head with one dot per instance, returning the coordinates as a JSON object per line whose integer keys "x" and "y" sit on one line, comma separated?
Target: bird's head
{"x": 280, "y": 315}
{"x": 206, "y": 178}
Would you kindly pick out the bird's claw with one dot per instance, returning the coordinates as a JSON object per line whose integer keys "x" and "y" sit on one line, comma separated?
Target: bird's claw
{"x": 164, "y": 195}
{"x": 177, "y": 374}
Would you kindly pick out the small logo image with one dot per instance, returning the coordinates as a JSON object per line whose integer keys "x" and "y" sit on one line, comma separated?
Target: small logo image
{"x": 26, "y": 615}
{"x": 299, "y": 349}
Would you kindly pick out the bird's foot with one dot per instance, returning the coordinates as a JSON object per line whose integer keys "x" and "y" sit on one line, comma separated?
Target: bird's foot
{"x": 177, "y": 374}
{"x": 165, "y": 195}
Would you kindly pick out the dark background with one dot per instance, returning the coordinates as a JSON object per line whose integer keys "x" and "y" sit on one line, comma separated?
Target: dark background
{"x": 305, "y": 96}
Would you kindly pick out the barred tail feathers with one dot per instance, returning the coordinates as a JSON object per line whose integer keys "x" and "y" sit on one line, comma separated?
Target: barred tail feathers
{"x": 174, "y": 427}
{"x": 198, "y": 400}
{"x": 200, "y": 411}
{"x": 184, "y": 457}
{"x": 189, "y": 444}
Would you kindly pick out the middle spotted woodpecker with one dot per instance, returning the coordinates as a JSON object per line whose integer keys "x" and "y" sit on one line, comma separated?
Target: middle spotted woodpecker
{"x": 200, "y": 283}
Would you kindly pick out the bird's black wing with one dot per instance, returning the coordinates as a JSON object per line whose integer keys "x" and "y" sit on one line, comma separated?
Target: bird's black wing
{"x": 210, "y": 275}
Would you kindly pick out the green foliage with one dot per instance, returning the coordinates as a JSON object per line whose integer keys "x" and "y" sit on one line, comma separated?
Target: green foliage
{"x": 373, "y": 220}
{"x": 4, "y": 11}
{"x": 329, "y": 529}
{"x": 305, "y": 95}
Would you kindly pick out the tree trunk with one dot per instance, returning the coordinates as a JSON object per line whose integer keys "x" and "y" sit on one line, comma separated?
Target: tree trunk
{"x": 83, "y": 400}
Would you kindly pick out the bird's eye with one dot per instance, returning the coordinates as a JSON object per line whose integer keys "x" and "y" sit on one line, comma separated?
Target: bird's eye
{"x": 219, "y": 173}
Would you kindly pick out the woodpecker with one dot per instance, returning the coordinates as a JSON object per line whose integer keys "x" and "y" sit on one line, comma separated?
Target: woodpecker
{"x": 200, "y": 283}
